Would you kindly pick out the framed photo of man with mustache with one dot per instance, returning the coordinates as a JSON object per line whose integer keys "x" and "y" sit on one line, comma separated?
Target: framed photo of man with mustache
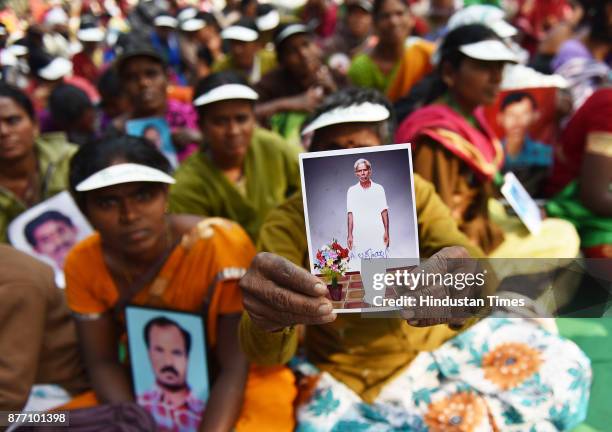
{"x": 49, "y": 230}
{"x": 169, "y": 365}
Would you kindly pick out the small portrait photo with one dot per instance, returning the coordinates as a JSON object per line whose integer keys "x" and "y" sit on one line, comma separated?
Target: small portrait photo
{"x": 157, "y": 131}
{"x": 359, "y": 207}
{"x": 49, "y": 230}
{"x": 525, "y": 122}
{"x": 169, "y": 365}
{"x": 522, "y": 203}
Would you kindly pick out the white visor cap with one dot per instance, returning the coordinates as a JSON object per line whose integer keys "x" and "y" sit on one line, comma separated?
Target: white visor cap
{"x": 290, "y": 31}
{"x": 55, "y": 16}
{"x": 366, "y": 112}
{"x": 503, "y": 29}
{"x": 226, "y": 92}
{"x": 268, "y": 21}
{"x": 7, "y": 58}
{"x": 488, "y": 15}
{"x": 187, "y": 14}
{"x": 123, "y": 173}
{"x": 58, "y": 68}
{"x": 489, "y": 50}
{"x": 193, "y": 24}
{"x": 18, "y": 50}
{"x": 165, "y": 21}
{"x": 94, "y": 34}
{"x": 239, "y": 33}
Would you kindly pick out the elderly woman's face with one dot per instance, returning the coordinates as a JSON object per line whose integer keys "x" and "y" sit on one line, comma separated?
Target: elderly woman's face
{"x": 17, "y": 131}
{"x": 130, "y": 217}
{"x": 475, "y": 82}
{"x": 228, "y": 127}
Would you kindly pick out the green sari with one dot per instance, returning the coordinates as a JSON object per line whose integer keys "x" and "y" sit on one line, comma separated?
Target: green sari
{"x": 53, "y": 154}
{"x": 594, "y": 230}
{"x": 364, "y": 72}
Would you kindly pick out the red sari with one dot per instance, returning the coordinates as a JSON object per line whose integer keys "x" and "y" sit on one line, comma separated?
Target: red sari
{"x": 478, "y": 148}
{"x": 593, "y": 116}
{"x": 461, "y": 161}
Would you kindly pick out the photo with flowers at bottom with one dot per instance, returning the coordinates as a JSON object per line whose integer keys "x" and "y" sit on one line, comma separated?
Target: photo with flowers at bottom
{"x": 332, "y": 261}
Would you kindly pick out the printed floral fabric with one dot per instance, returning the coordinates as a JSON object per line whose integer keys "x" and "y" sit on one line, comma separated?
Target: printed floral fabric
{"x": 503, "y": 374}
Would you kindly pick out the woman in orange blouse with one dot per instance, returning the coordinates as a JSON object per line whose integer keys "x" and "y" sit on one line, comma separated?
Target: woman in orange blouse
{"x": 142, "y": 255}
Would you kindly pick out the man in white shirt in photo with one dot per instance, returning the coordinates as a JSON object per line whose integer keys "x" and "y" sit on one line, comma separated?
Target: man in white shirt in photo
{"x": 368, "y": 215}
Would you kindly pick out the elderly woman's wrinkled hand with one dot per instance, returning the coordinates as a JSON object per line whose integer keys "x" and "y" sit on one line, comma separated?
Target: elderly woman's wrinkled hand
{"x": 279, "y": 294}
{"x": 452, "y": 261}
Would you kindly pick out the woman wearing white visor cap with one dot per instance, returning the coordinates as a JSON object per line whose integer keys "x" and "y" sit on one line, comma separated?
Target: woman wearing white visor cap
{"x": 87, "y": 62}
{"x": 165, "y": 41}
{"x": 141, "y": 255}
{"x": 458, "y": 152}
{"x": 199, "y": 33}
{"x": 418, "y": 58}
{"x": 242, "y": 171}
{"x": 375, "y": 374}
{"x": 246, "y": 55}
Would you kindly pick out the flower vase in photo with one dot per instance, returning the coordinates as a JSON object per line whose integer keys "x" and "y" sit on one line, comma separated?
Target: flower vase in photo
{"x": 332, "y": 261}
{"x": 335, "y": 289}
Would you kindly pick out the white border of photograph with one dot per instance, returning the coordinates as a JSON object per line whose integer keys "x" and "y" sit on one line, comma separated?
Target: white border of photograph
{"x": 141, "y": 368}
{"x": 63, "y": 203}
{"x": 531, "y": 217}
{"x": 359, "y": 151}
{"x": 136, "y": 127}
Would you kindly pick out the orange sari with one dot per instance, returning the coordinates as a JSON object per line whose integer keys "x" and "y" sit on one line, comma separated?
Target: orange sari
{"x": 202, "y": 270}
{"x": 414, "y": 65}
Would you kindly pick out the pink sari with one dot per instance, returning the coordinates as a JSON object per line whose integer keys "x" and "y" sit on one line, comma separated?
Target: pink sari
{"x": 478, "y": 148}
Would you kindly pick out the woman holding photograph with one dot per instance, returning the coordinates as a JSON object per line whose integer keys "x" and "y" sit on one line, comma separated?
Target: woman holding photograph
{"x": 458, "y": 152}
{"x": 144, "y": 79}
{"x": 370, "y": 352}
{"x": 32, "y": 168}
{"x": 142, "y": 255}
{"x": 376, "y": 373}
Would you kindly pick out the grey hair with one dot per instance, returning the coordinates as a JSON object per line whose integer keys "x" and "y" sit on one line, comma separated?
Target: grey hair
{"x": 362, "y": 161}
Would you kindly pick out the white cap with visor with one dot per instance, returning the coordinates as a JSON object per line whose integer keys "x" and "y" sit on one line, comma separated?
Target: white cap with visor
{"x": 226, "y": 92}
{"x": 366, "y": 112}
{"x": 239, "y": 33}
{"x": 57, "y": 68}
{"x": 123, "y": 173}
{"x": 489, "y": 50}
{"x": 491, "y": 16}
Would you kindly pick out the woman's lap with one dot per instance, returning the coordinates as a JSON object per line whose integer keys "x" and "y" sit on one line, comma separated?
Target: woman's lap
{"x": 510, "y": 373}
